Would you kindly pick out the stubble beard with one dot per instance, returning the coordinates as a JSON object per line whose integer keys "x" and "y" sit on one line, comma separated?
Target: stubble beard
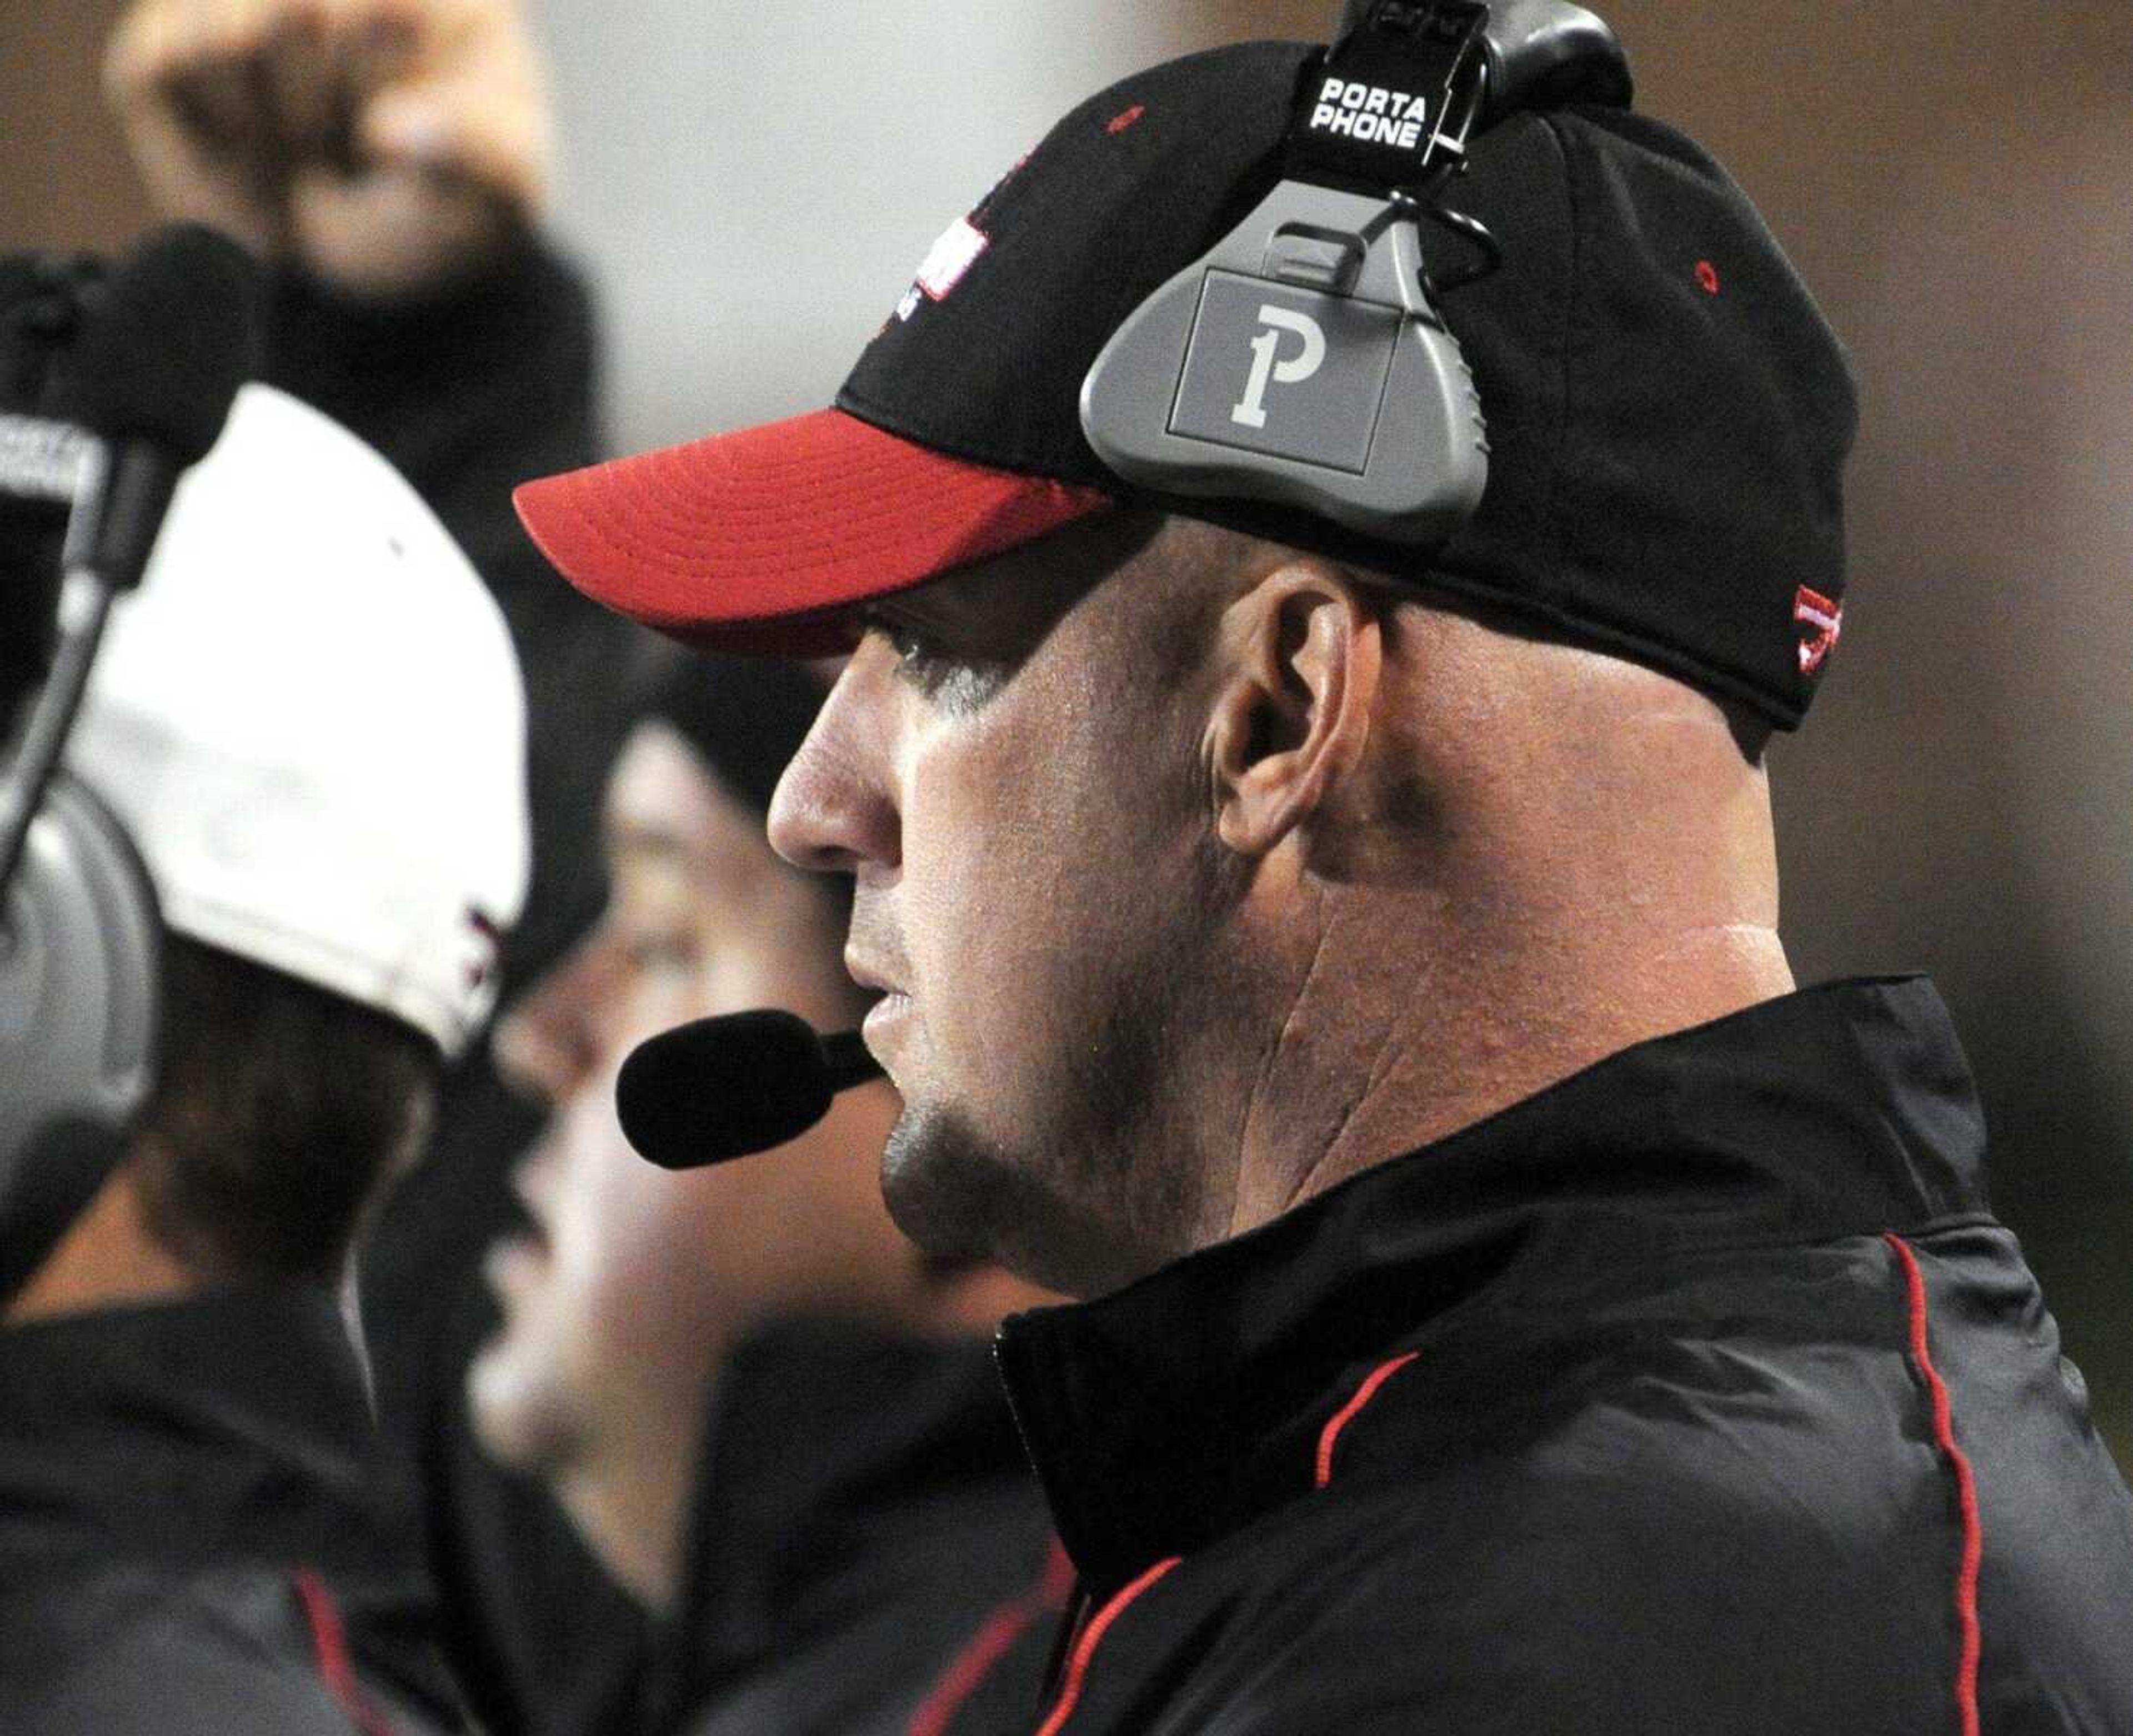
{"x": 1104, "y": 1185}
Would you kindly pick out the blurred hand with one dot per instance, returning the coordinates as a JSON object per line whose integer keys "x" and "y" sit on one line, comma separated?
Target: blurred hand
{"x": 384, "y": 145}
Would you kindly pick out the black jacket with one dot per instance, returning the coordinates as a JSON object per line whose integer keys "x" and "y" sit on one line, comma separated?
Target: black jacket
{"x": 195, "y": 1536}
{"x": 868, "y": 1554}
{"x": 1699, "y": 1392}
{"x": 539, "y": 1637}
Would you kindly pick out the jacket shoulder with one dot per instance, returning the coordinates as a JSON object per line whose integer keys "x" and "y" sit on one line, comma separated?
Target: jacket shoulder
{"x": 1613, "y": 1572}
{"x": 126, "y": 1649}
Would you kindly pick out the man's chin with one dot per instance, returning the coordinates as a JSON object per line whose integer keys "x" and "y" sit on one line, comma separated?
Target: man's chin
{"x": 932, "y": 1182}
{"x": 962, "y": 1198}
{"x": 516, "y": 1414}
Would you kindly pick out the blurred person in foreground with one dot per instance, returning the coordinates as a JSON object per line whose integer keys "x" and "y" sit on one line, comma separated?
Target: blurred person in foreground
{"x": 774, "y": 1419}
{"x": 1351, "y": 963}
{"x": 388, "y": 161}
{"x": 197, "y": 1530}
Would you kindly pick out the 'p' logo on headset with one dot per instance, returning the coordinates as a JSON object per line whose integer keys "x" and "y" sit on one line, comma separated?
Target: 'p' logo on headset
{"x": 1286, "y": 371}
{"x": 1251, "y": 410}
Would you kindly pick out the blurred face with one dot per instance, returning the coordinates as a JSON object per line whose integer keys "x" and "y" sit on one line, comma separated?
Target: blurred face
{"x": 1009, "y": 765}
{"x": 631, "y": 1281}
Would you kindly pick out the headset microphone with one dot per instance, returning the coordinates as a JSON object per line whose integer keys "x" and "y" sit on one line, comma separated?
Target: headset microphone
{"x": 155, "y": 371}
{"x": 729, "y": 1087}
{"x": 158, "y": 360}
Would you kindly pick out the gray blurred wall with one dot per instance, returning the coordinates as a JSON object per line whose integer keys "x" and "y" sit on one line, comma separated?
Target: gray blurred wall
{"x": 754, "y": 185}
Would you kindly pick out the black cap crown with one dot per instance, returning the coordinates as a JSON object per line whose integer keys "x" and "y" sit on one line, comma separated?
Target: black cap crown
{"x": 1668, "y": 412}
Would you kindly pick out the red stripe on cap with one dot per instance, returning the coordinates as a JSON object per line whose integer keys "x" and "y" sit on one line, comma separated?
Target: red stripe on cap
{"x": 752, "y": 540}
{"x": 1965, "y": 1490}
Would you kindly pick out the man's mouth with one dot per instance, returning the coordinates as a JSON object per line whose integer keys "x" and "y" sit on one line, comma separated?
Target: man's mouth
{"x": 883, "y": 1020}
{"x": 516, "y": 1264}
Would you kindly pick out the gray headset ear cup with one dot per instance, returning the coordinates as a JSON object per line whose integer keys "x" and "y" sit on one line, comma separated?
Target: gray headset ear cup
{"x": 80, "y": 993}
{"x": 1376, "y": 423}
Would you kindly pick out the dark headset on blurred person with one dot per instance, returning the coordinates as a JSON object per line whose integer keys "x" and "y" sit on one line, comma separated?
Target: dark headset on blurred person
{"x": 335, "y": 861}
{"x": 112, "y": 385}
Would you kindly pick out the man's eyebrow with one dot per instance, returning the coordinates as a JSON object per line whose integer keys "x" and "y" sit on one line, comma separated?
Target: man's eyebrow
{"x": 627, "y": 837}
{"x": 888, "y": 613}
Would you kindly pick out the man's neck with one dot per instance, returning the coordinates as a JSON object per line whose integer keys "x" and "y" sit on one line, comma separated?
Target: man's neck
{"x": 1436, "y": 1050}
{"x": 108, "y": 1259}
{"x": 633, "y": 1516}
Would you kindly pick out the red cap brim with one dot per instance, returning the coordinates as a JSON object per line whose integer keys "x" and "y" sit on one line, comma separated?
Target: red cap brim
{"x": 760, "y": 541}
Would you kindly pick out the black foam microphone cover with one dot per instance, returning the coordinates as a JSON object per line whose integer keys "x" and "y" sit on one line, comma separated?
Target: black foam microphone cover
{"x": 176, "y": 333}
{"x": 159, "y": 363}
{"x": 44, "y": 299}
{"x": 728, "y": 1087}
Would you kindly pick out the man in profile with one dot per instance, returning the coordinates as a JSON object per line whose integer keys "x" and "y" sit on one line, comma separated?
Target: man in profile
{"x": 774, "y": 1420}
{"x": 1349, "y": 960}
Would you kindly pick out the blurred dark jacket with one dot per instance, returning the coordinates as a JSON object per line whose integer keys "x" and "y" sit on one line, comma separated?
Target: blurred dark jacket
{"x": 197, "y": 1536}
{"x": 868, "y": 1555}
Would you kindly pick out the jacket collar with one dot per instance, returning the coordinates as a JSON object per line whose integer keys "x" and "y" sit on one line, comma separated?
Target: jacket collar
{"x": 1842, "y": 1110}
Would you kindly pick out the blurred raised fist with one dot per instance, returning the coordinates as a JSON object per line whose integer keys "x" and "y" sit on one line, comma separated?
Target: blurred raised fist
{"x": 384, "y": 145}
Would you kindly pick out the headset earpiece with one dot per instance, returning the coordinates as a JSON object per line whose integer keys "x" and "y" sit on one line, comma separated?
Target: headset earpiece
{"x": 1299, "y": 363}
{"x": 80, "y": 991}
{"x": 1303, "y": 362}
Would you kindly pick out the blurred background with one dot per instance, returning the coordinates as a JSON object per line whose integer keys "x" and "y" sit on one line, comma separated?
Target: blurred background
{"x": 751, "y": 187}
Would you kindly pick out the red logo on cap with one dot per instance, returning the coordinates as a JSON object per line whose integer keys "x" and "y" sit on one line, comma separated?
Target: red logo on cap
{"x": 1823, "y": 621}
{"x": 488, "y": 936}
{"x": 953, "y": 256}
{"x": 1118, "y": 123}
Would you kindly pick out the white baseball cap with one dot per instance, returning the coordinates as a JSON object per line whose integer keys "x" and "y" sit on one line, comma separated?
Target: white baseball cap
{"x": 309, "y": 718}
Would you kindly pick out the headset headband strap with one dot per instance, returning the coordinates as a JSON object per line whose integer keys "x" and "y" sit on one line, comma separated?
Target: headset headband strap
{"x": 1389, "y": 108}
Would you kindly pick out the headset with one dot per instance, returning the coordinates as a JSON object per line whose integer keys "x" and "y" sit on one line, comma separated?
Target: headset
{"x": 139, "y": 369}
{"x": 1303, "y": 361}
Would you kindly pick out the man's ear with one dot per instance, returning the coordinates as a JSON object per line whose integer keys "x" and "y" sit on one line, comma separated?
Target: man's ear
{"x": 1302, "y": 654}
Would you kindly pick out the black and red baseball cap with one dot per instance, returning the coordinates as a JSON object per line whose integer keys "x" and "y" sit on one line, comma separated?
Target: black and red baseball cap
{"x": 1668, "y": 412}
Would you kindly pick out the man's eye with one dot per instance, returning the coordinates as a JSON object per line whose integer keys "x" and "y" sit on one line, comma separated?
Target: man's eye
{"x": 936, "y": 671}
{"x": 919, "y": 658}
{"x": 661, "y": 952}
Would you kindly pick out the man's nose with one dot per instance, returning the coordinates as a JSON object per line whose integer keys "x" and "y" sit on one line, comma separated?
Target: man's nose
{"x": 835, "y": 811}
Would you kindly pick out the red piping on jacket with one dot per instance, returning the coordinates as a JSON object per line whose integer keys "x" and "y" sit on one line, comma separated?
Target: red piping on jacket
{"x": 1965, "y": 1490}
{"x": 329, "y": 1642}
{"x": 1348, "y": 1412}
{"x": 999, "y": 1631}
{"x": 1084, "y": 1648}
